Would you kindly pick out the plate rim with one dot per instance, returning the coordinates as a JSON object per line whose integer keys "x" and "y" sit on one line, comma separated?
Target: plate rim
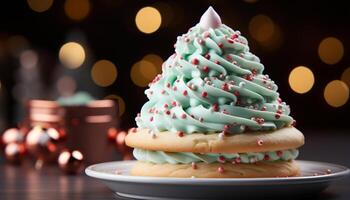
{"x": 200, "y": 181}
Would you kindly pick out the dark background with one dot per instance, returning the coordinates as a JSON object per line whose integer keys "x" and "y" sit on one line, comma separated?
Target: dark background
{"x": 110, "y": 33}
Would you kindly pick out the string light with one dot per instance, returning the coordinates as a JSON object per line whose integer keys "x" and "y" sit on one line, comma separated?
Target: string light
{"x": 40, "y": 5}
{"x": 148, "y": 20}
{"x": 156, "y": 60}
{"x": 336, "y": 93}
{"x": 345, "y": 77}
{"x": 104, "y": 73}
{"x": 72, "y": 55}
{"x": 331, "y": 50}
{"x": 143, "y": 72}
{"x": 301, "y": 79}
{"x": 77, "y": 9}
{"x": 121, "y": 102}
{"x": 262, "y": 28}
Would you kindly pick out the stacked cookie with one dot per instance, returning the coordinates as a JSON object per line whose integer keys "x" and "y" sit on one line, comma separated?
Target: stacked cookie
{"x": 213, "y": 113}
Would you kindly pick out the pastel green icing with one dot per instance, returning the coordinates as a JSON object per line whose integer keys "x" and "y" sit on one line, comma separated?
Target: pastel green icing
{"x": 161, "y": 157}
{"x": 226, "y": 87}
{"x": 79, "y": 98}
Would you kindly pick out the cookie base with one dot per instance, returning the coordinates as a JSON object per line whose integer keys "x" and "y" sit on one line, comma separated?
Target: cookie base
{"x": 204, "y": 170}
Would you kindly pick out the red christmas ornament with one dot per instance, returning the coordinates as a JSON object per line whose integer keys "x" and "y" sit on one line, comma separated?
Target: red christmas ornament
{"x": 71, "y": 162}
{"x": 44, "y": 143}
{"x": 14, "y": 152}
{"x": 112, "y": 134}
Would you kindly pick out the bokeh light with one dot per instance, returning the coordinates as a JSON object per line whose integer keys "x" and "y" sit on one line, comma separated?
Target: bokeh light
{"x": 331, "y": 50}
{"x": 39, "y": 5}
{"x": 66, "y": 86}
{"x": 301, "y": 79}
{"x": 29, "y": 59}
{"x": 104, "y": 73}
{"x": 261, "y": 28}
{"x": 77, "y": 9}
{"x": 121, "y": 102}
{"x": 148, "y": 20}
{"x": 156, "y": 60}
{"x": 345, "y": 77}
{"x": 336, "y": 93}
{"x": 72, "y": 55}
{"x": 143, "y": 72}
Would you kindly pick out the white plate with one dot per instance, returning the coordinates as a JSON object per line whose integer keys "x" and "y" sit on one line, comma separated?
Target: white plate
{"x": 314, "y": 179}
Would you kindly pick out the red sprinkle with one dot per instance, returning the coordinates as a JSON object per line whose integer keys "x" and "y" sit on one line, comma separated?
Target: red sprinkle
{"x": 266, "y": 157}
{"x": 277, "y": 115}
{"x": 263, "y": 108}
{"x": 174, "y": 88}
{"x": 260, "y": 142}
{"x": 163, "y": 91}
{"x": 194, "y": 165}
{"x": 183, "y": 116}
{"x": 279, "y": 153}
{"x": 206, "y": 34}
{"x": 224, "y": 86}
{"x": 180, "y": 133}
{"x": 234, "y": 36}
{"x": 215, "y": 107}
{"x": 229, "y": 58}
{"x": 200, "y": 41}
{"x": 249, "y": 77}
{"x": 221, "y": 170}
{"x": 236, "y": 93}
{"x": 204, "y": 94}
{"x": 221, "y": 45}
{"x": 279, "y": 100}
{"x": 195, "y": 61}
{"x": 167, "y": 112}
{"x": 206, "y": 69}
{"x": 230, "y": 40}
{"x": 151, "y": 119}
{"x": 207, "y": 56}
{"x": 173, "y": 103}
{"x": 185, "y": 93}
{"x": 166, "y": 105}
{"x": 226, "y": 127}
{"x": 221, "y": 159}
{"x": 254, "y": 71}
{"x": 217, "y": 62}
{"x": 236, "y": 160}
{"x": 168, "y": 85}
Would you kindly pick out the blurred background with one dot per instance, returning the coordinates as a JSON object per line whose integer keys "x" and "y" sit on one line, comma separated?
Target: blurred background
{"x": 114, "y": 48}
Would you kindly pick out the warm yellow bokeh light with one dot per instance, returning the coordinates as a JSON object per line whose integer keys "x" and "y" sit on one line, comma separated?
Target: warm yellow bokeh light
{"x": 77, "y": 9}
{"x": 72, "y": 55}
{"x": 40, "y": 5}
{"x": 104, "y": 73}
{"x": 121, "y": 102}
{"x": 155, "y": 60}
{"x": 345, "y": 77}
{"x": 331, "y": 50}
{"x": 301, "y": 79}
{"x": 143, "y": 72}
{"x": 336, "y": 93}
{"x": 148, "y": 20}
{"x": 261, "y": 27}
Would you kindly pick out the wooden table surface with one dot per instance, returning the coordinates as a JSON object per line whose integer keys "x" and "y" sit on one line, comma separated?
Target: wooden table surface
{"x": 25, "y": 183}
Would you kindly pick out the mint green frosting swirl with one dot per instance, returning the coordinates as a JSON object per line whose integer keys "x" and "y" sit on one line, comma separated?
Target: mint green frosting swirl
{"x": 161, "y": 157}
{"x": 213, "y": 83}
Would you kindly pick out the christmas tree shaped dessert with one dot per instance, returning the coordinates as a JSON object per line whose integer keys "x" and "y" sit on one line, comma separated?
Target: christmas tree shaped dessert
{"x": 213, "y": 113}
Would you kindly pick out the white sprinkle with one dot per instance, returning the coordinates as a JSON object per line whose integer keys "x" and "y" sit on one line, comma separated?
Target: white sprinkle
{"x": 241, "y": 84}
{"x": 221, "y": 135}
